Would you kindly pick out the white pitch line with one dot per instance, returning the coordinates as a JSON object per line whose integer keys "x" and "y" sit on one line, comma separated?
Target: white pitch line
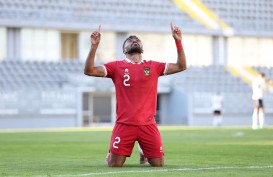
{"x": 164, "y": 170}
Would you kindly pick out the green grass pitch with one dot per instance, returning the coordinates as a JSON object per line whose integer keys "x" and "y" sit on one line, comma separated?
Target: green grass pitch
{"x": 190, "y": 152}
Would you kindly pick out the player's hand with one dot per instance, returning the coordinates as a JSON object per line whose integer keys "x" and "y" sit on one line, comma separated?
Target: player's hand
{"x": 95, "y": 37}
{"x": 176, "y": 32}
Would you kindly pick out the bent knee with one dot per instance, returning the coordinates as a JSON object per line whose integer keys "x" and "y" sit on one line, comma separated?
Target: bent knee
{"x": 156, "y": 162}
{"x": 116, "y": 160}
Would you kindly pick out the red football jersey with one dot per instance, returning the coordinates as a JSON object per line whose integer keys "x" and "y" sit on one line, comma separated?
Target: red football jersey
{"x": 136, "y": 89}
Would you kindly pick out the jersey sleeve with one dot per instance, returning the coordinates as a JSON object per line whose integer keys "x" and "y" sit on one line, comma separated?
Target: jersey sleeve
{"x": 161, "y": 68}
{"x": 110, "y": 69}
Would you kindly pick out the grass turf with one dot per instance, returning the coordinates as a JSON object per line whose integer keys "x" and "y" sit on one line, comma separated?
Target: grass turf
{"x": 192, "y": 152}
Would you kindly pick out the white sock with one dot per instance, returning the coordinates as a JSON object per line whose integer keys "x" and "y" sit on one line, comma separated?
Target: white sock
{"x": 140, "y": 150}
{"x": 261, "y": 119}
{"x": 219, "y": 120}
{"x": 215, "y": 121}
{"x": 107, "y": 159}
{"x": 254, "y": 119}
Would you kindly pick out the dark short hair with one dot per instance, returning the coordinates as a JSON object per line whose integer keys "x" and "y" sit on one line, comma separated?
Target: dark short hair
{"x": 130, "y": 37}
{"x": 262, "y": 74}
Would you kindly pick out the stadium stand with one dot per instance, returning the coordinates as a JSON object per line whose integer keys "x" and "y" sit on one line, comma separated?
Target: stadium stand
{"x": 31, "y": 89}
{"x": 86, "y": 14}
{"x": 34, "y": 75}
{"x": 211, "y": 79}
{"x": 246, "y": 16}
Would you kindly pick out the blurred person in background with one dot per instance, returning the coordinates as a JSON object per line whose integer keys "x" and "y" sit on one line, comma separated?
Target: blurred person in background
{"x": 259, "y": 86}
{"x": 135, "y": 81}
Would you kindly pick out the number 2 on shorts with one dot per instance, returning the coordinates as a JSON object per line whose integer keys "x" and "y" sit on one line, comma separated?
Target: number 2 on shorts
{"x": 117, "y": 140}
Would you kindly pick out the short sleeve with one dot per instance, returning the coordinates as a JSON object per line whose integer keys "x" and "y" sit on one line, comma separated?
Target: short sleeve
{"x": 110, "y": 69}
{"x": 161, "y": 67}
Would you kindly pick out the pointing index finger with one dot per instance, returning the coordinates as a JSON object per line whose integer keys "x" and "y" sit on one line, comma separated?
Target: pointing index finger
{"x": 99, "y": 29}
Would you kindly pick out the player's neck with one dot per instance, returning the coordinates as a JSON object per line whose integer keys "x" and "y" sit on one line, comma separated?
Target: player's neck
{"x": 135, "y": 58}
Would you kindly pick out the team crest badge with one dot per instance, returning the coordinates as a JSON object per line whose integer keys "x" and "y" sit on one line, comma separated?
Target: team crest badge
{"x": 147, "y": 71}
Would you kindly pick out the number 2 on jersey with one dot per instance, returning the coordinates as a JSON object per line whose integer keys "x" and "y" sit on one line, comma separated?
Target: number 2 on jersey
{"x": 127, "y": 78}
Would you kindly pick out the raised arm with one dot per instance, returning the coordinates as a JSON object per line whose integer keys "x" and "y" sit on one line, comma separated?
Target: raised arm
{"x": 90, "y": 69}
{"x": 181, "y": 63}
